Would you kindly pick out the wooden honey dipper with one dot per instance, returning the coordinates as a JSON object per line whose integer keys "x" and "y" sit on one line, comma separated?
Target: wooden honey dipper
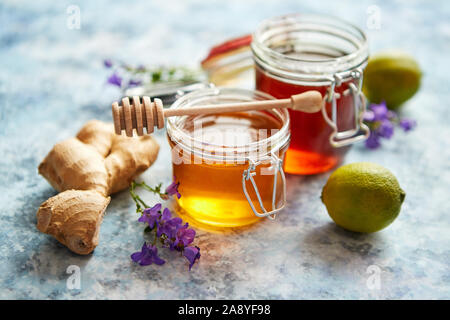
{"x": 146, "y": 114}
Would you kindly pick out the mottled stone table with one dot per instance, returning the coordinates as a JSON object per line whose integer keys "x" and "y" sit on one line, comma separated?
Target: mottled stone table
{"x": 52, "y": 81}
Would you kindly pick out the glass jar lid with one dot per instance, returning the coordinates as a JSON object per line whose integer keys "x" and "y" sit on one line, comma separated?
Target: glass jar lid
{"x": 196, "y": 144}
{"x": 309, "y": 48}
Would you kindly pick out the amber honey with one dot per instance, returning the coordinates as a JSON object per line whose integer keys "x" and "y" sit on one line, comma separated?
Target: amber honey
{"x": 211, "y": 152}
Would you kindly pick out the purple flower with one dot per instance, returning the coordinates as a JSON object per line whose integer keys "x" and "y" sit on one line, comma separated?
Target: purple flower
{"x": 166, "y": 215}
{"x": 168, "y": 225}
{"x": 192, "y": 254}
{"x": 380, "y": 111}
{"x": 151, "y": 215}
{"x": 407, "y": 124}
{"x": 391, "y": 115}
{"x": 134, "y": 83}
{"x": 369, "y": 115}
{"x": 381, "y": 122}
{"x": 184, "y": 237}
{"x": 386, "y": 129}
{"x": 115, "y": 80}
{"x": 373, "y": 141}
{"x": 147, "y": 256}
{"x": 377, "y": 112}
{"x": 172, "y": 189}
{"x": 107, "y": 63}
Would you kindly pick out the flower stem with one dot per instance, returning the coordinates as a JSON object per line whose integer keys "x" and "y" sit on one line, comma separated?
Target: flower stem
{"x": 137, "y": 199}
{"x": 155, "y": 190}
{"x": 156, "y": 238}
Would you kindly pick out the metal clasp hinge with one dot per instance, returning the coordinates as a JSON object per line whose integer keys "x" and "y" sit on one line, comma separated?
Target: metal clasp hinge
{"x": 249, "y": 173}
{"x": 360, "y": 132}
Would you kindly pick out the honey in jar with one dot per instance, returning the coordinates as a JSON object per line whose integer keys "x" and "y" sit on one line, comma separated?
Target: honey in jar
{"x": 214, "y": 156}
{"x": 298, "y": 52}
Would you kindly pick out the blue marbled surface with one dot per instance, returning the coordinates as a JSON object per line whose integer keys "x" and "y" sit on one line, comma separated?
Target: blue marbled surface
{"x": 52, "y": 81}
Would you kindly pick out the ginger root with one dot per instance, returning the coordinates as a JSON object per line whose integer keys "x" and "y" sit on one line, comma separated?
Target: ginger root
{"x": 73, "y": 217}
{"x": 86, "y": 170}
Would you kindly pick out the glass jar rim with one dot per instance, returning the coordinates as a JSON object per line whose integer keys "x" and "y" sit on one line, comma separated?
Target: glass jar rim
{"x": 308, "y": 69}
{"x": 191, "y": 144}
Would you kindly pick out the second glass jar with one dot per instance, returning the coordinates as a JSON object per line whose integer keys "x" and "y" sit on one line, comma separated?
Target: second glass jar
{"x": 296, "y": 53}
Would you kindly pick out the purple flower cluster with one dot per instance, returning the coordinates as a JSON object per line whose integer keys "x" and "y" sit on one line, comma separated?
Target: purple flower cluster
{"x": 381, "y": 122}
{"x": 171, "y": 231}
{"x": 116, "y": 78}
{"x": 126, "y": 76}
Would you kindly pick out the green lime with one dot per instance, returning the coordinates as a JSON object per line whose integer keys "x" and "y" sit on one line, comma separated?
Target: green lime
{"x": 391, "y": 76}
{"x": 363, "y": 197}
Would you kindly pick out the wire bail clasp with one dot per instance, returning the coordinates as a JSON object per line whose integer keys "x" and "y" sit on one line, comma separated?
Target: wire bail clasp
{"x": 360, "y": 132}
{"x": 249, "y": 173}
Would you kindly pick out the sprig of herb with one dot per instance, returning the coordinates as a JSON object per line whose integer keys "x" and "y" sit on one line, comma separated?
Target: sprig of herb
{"x": 170, "y": 231}
{"x": 126, "y": 76}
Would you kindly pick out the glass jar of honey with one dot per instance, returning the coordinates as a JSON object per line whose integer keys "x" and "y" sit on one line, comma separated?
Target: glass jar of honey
{"x": 229, "y": 165}
{"x": 296, "y": 53}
